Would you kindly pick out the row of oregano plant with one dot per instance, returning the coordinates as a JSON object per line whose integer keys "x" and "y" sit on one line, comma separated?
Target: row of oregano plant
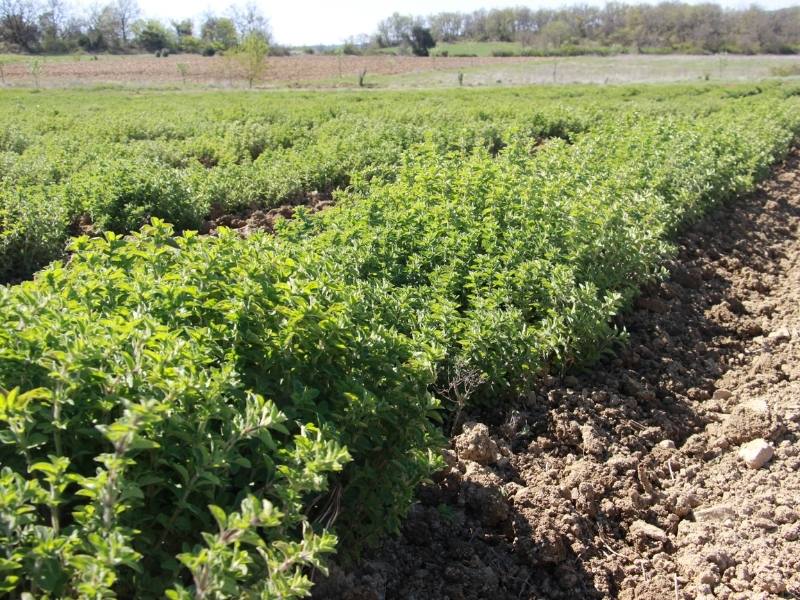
{"x": 197, "y": 416}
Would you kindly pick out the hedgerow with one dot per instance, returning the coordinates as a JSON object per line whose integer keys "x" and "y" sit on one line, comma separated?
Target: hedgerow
{"x": 198, "y": 416}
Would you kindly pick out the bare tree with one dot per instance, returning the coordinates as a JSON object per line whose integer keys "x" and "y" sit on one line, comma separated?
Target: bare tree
{"x": 676, "y": 26}
{"x": 461, "y": 381}
{"x": 57, "y": 11}
{"x": 250, "y": 20}
{"x": 127, "y": 11}
{"x": 447, "y": 26}
{"x": 35, "y": 69}
{"x": 102, "y": 28}
{"x": 393, "y": 30}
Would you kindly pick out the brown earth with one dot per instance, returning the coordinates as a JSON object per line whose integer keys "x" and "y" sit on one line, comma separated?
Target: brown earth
{"x": 627, "y": 481}
{"x": 146, "y": 69}
{"x": 263, "y": 219}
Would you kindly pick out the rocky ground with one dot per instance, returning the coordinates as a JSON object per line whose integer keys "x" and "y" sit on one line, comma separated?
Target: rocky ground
{"x": 670, "y": 471}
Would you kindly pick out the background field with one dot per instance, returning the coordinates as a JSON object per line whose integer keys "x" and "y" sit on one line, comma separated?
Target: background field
{"x": 389, "y": 71}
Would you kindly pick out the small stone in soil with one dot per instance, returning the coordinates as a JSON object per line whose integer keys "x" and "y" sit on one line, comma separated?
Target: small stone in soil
{"x": 780, "y": 335}
{"x": 718, "y": 512}
{"x": 756, "y": 453}
{"x": 641, "y": 529}
{"x": 757, "y": 405}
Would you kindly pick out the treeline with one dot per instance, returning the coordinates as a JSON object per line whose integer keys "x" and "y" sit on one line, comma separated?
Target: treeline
{"x": 55, "y": 27}
{"x": 665, "y": 27}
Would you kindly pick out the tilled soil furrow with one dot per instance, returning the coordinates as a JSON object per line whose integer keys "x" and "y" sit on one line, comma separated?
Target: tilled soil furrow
{"x": 670, "y": 471}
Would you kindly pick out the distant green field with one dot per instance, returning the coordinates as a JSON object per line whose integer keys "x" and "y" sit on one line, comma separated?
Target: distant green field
{"x": 8, "y": 58}
{"x": 476, "y": 48}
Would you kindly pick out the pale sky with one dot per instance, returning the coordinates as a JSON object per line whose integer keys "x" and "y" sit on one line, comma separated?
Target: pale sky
{"x": 299, "y": 22}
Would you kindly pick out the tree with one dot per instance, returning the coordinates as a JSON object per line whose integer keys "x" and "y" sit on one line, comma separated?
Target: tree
{"x": 50, "y": 24}
{"x": 420, "y": 40}
{"x": 58, "y": 13}
{"x": 351, "y": 47}
{"x": 250, "y": 20}
{"x": 184, "y": 32}
{"x": 219, "y": 32}
{"x": 447, "y": 26}
{"x": 127, "y": 11}
{"x": 555, "y": 33}
{"x": 636, "y": 28}
{"x": 252, "y": 56}
{"x": 18, "y": 26}
{"x": 184, "y": 28}
{"x": 501, "y": 24}
{"x": 396, "y": 29}
{"x": 152, "y": 35}
{"x": 666, "y": 25}
{"x": 102, "y": 31}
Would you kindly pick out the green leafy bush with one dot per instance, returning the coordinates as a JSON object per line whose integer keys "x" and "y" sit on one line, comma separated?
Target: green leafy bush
{"x": 516, "y": 263}
{"x": 156, "y": 377}
{"x": 122, "y": 196}
{"x": 127, "y": 158}
{"x": 13, "y": 140}
{"x": 33, "y": 229}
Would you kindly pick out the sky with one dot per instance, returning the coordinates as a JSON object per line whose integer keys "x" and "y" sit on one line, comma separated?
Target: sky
{"x": 300, "y": 22}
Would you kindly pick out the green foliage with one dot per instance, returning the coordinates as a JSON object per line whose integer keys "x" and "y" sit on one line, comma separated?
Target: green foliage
{"x": 12, "y": 139}
{"x": 197, "y": 417}
{"x": 421, "y": 41}
{"x": 122, "y": 195}
{"x": 252, "y": 57}
{"x": 153, "y": 399}
{"x": 219, "y": 33}
{"x": 790, "y": 70}
{"x": 566, "y": 235}
{"x": 153, "y": 36}
{"x": 33, "y": 229}
{"x": 121, "y": 160}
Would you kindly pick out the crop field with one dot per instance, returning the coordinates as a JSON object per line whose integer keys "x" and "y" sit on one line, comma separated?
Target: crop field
{"x": 237, "y": 328}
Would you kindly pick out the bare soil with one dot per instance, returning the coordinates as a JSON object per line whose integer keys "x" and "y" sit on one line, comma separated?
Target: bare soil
{"x": 627, "y": 481}
{"x": 263, "y": 219}
{"x": 145, "y": 69}
{"x": 323, "y": 72}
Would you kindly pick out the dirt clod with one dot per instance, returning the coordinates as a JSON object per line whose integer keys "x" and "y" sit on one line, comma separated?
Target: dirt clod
{"x": 476, "y": 445}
